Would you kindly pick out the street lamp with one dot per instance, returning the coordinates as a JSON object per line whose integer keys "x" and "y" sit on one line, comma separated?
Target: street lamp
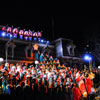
{"x": 88, "y": 58}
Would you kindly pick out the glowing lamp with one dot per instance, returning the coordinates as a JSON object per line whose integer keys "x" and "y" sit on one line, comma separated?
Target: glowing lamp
{"x": 48, "y": 42}
{"x": 36, "y": 62}
{"x": 87, "y": 57}
{"x": 1, "y": 59}
{"x": 3, "y": 34}
{"x": 21, "y": 37}
{"x": 98, "y": 67}
{"x": 15, "y": 36}
{"x": 11, "y": 36}
{"x": 35, "y": 39}
{"x": 30, "y": 38}
{"x": 42, "y": 41}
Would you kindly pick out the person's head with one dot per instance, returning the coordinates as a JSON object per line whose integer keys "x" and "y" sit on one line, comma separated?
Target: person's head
{"x": 42, "y": 54}
{"x": 87, "y": 75}
{"x": 6, "y": 64}
{"x": 77, "y": 75}
{"x": 70, "y": 79}
{"x": 51, "y": 57}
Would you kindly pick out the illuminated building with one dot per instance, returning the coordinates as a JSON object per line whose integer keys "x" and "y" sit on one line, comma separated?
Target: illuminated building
{"x": 18, "y": 46}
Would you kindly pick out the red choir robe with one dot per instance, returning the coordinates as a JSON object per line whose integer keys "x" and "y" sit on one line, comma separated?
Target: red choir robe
{"x": 1, "y": 67}
{"x": 81, "y": 86}
{"x": 76, "y": 93}
{"x": 89, "y": 84}
{"x": 58, "y": 81}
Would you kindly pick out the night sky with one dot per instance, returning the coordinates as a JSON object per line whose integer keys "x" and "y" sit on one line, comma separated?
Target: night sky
{"x": 77, "y": 28}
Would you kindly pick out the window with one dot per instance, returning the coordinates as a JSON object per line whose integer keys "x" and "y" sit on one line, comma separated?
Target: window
{"x": 29, "y": 52}
{"x": 10, "y": 48}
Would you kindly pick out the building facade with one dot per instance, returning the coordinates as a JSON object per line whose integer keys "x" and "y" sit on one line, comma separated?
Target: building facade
{"x": 67, "y": 51}
{"x": 18, "y": 46}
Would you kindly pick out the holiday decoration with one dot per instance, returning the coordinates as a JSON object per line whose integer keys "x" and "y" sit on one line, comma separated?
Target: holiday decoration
{"x": 15, "y": 32}
{"x": 35, "y": 46}
{"x": 30, "y": 35}
{"x": 10, "y": 32}
{"x": 4, "y": 28}
{"x": 35, "y": 34}
{"x": 26, "y": 35}
{"x": 39, "y": 34}
{"x": 21, "y": 32}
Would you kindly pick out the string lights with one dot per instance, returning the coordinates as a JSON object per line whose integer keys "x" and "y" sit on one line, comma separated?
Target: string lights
{"x": 17, "y": 33}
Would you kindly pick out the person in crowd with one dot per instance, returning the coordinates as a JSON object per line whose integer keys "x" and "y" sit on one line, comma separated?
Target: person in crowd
{"x": 41, "y": 57}
{"x": 50, "y": 79}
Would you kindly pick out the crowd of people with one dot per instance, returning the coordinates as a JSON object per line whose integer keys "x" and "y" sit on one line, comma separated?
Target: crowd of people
{"x": 47, "y": 79}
